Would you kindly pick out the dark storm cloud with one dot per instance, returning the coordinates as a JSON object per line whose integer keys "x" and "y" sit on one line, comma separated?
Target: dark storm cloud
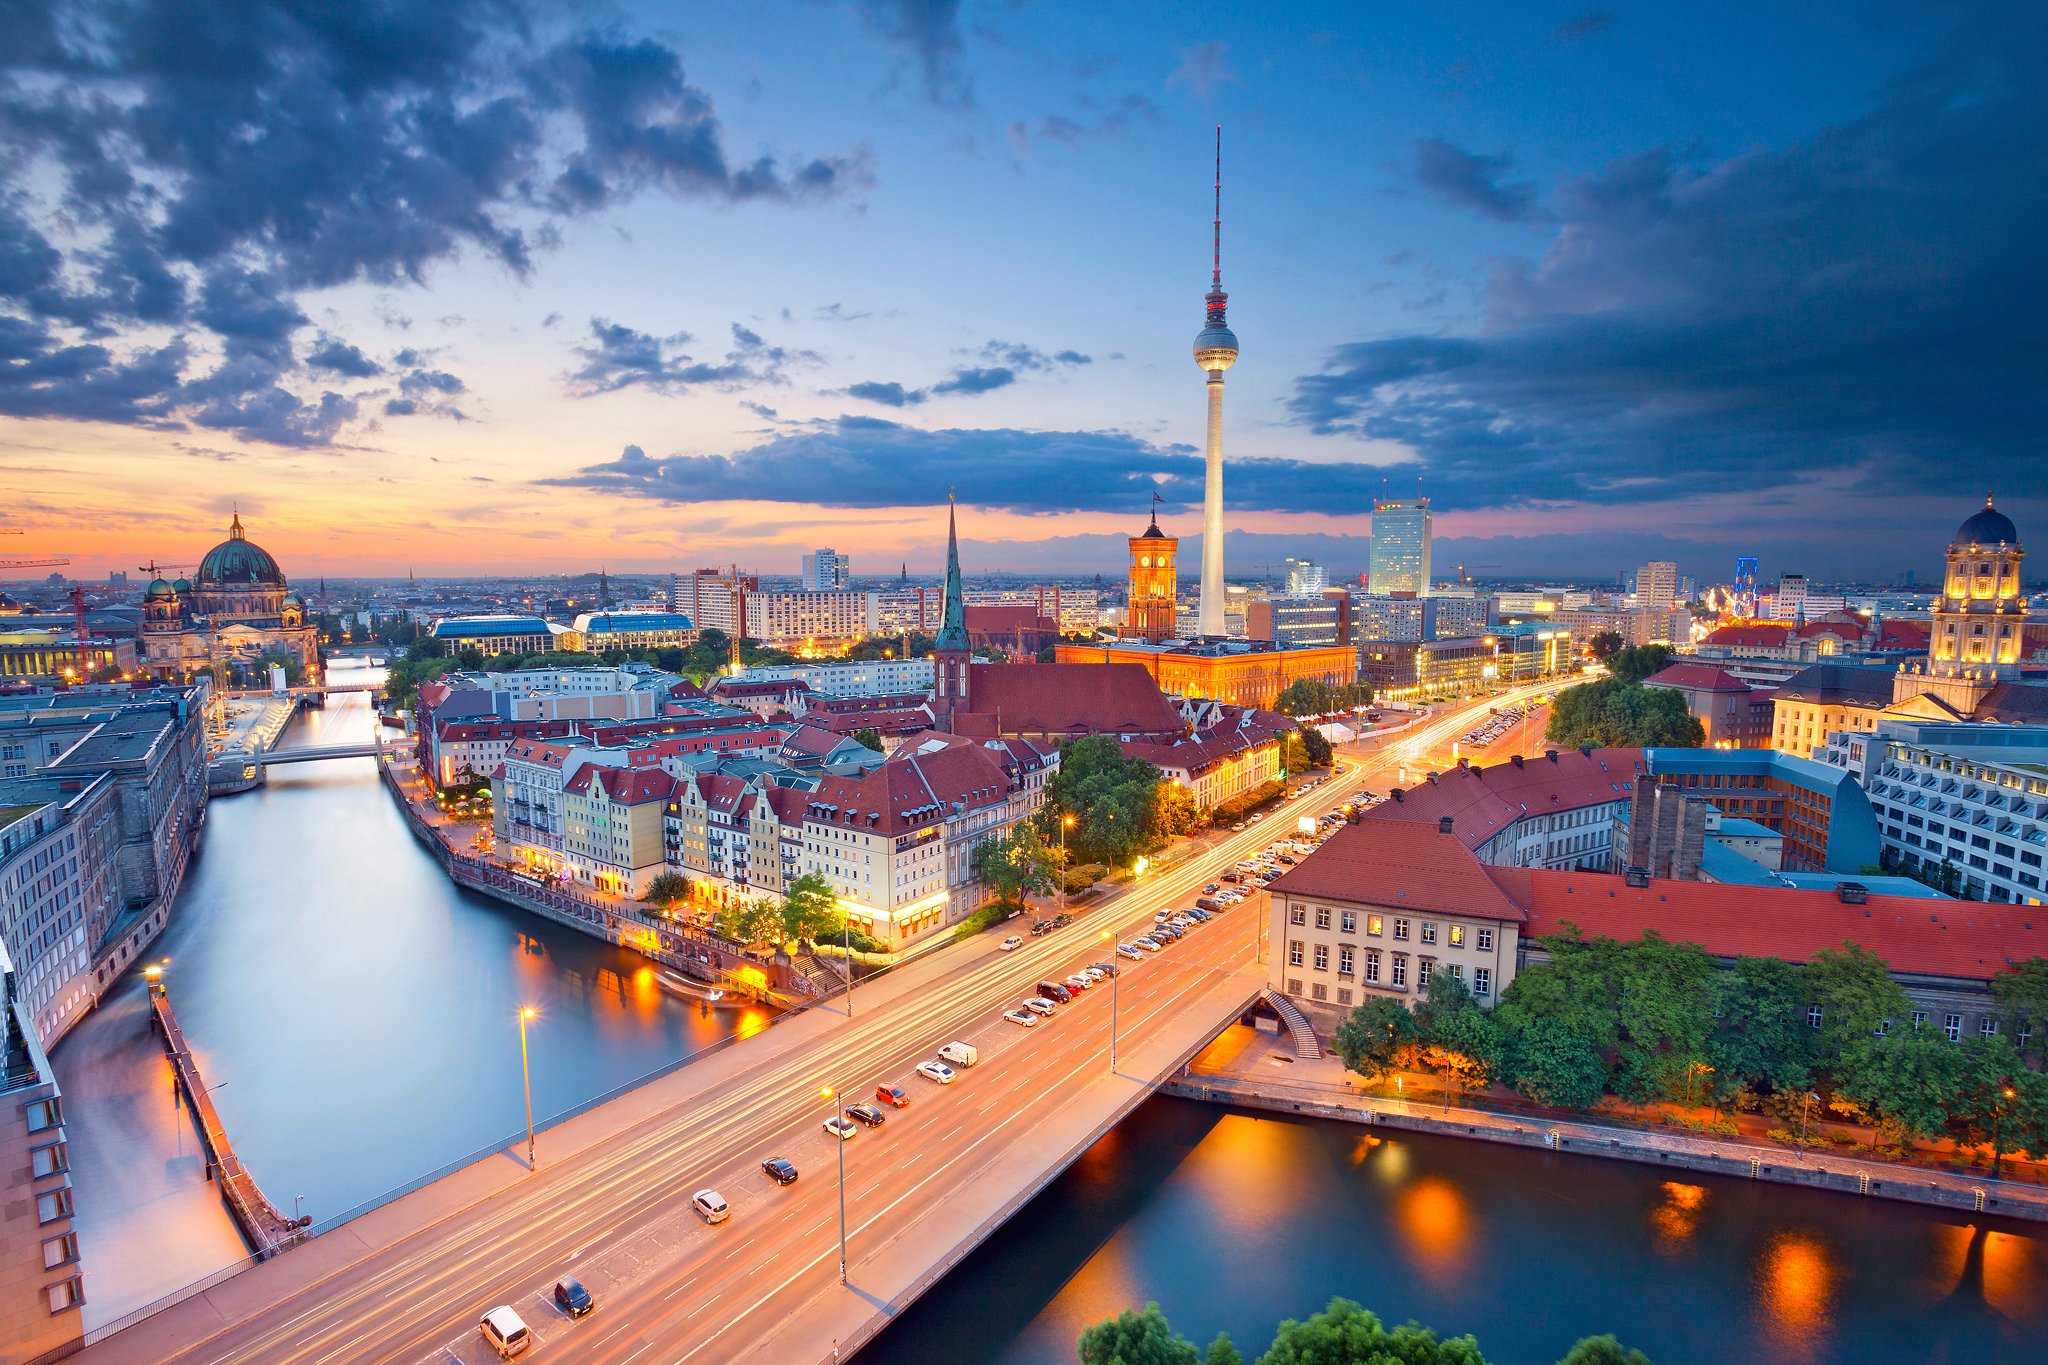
{"x": 618, "y": 357}
{"x": 866, "y": 462}
{"x": 198, "y": 167}
{"x": 1864, "y": 305}
{"x": 1469, "y": 181}
{"x": 969, "y": 380}
{"x": 930, "y": 31}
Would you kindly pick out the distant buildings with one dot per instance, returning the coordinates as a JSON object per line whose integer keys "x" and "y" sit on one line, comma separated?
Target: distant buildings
{"x": 494, "y": 635}
{"x": 1744, "y": 587}
{"x": 1298, "y": 622}
{"x": 1400, "y": 546}
{"x": 1657, "y": 585}
{"x": 1306, "y": 578}
{"x": 735, "y": 604}
{"x": 825, "y": 571}
{"x": 596, "y": 632}
{"x": 1734, "y": 714}
{"x": 875, "y": 677}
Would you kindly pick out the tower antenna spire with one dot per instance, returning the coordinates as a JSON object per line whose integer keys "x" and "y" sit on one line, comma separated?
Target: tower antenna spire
{"x": 1216, "y": 226}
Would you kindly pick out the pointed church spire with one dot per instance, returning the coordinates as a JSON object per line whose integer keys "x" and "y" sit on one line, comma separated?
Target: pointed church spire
{"x": 953, "y": 618}
{"x": 235, "y": 527}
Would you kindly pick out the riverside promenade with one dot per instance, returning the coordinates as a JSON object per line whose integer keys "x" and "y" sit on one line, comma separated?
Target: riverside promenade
{"x": 1249, "y": 1069}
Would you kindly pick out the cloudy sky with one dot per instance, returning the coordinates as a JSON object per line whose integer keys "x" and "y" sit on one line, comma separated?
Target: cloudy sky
{"x": 502, "y": 285}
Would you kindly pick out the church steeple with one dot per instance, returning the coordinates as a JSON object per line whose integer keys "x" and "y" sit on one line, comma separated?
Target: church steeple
{"x": 952, "y": 653}
{"x": 953, "y": 620}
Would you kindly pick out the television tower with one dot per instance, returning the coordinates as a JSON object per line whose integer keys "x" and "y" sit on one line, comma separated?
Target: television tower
{"x": 1215, "y": 352}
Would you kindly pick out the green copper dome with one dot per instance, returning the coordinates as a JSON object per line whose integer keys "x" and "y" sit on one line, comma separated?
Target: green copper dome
{"x": 237, "y": 561}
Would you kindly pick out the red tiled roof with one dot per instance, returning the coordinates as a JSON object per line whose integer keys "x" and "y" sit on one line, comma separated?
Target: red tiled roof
{"x": 904, "y": 721}
{"x": 1006, "y": 618}
{"x": 631, "y": 786}
{"x": 918, "y": 786}
{"x": 1965, "y": 940}
{"x": 1763, "y": 635}
{"x": 1697, "y": 678}
{"x": 1388, "y": 863}
{"x": 1484, "y": 800}
{"x": 1066, "y": 699}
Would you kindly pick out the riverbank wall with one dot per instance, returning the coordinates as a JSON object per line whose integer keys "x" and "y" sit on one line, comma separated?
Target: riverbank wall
{"x": 1842, "y": 1175}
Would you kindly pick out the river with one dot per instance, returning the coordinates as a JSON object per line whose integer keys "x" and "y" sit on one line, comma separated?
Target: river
{"x": 355, "y": 1015}
{"x": 1232, "y": 1221}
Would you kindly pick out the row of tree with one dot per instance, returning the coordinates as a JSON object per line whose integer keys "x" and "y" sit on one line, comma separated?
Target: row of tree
{"x": 1651, "y": 1020}
{"x": 1313, "y": 697}
{"x": 1342, "y": 1334}
{"x": 807, "y": 913}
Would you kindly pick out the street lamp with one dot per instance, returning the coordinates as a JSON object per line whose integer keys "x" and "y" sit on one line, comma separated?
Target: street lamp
{"x": 840, "y": 1141}
{"x": 1998, "y": 1113}
{"x": 1066, "y": 823}
{"x": 1804, "y": 1105}
{"x": 1116, "y": 976}
{"x": 527, "y": 1012}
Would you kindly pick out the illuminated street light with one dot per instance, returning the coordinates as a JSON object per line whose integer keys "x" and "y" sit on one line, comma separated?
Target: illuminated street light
{"x": 829, "y": 1093}
{"x": 527, "y": 1012}
{"x": 1116, "y": 976}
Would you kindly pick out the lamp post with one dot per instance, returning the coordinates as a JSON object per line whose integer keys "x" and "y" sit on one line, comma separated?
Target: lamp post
{"x": 1804, "y": 1106}
{"x": 1066, "y": 823}
{"x": 2005, "y": 1092}
{"x": 1116, "y": 976}
{"x": 829, "y": 1093}
{"x": 526, "y": 1012}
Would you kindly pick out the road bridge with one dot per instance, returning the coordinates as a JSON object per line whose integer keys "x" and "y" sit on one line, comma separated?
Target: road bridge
{"x": 608, "y": 1200}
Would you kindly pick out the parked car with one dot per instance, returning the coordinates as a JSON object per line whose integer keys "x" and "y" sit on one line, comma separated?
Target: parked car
{"x": 1148, "y": 943}
{"x": 1039, "y": 926}
{"x": 1012, "y": 944}
{"x": 1096, "y": 976}
{"x": 572, "y": 1298}
{"x": 867, "y": 1115}
{"x": 1162, "y": 917}
{"x": 1078, "y": 983}
{"x": 959, "y": 1053}
{"x": 1211, "y": 889}
{"x": 1106, "y": 968}
{"x": 1055, "y": 992}
{"x": 894, "y": 1096}
{"x": 1131, "y": 951}
{"x": 936, "y": 1071}
{"x": 506, "y": 1331}
{"x": 711, "y": 1205}
{"x": 840, "y": 1128}
{"x": 1237, "y": 828}
{"x": 1021, "y": 1018}
{"x": 1038, "y": 1004}
{"x": 780, "y": 1171}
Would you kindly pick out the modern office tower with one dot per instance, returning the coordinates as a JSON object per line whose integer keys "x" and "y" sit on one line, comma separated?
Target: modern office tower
{"x": 1305, "y": 578}
{"x": 1657, "y": 585}
{"x": 1400, "y": 546}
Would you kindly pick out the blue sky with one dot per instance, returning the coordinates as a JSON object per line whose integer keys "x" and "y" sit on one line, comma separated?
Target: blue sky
{"x": 508, "y": 285}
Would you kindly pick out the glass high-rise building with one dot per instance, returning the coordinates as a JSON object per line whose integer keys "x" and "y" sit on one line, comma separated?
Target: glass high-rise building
{"x": 1400, "y": 546}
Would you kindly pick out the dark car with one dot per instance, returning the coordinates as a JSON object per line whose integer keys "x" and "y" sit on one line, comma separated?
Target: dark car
{"x": 572, "y": 1298}
{"x": 867, "y": 1114}
{"x": 1211, "y": 889}
{"x": 780, "y": 1171}
{"x": 894, "y": 1096}
{"x": 1209, "y": 905}
{"x": 1062, "y": 920}
{"x": 1233, "y": 876}
{"x": 1039, "y": 926}
{"x": 1106, "y": 968}
{"x": 1054, "y": 991}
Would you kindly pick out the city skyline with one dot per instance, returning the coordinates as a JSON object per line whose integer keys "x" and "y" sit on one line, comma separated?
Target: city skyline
{"x": 498, "y": 379}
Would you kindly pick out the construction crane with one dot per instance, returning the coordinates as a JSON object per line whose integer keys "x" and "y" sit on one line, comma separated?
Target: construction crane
{"x": 84, "y": 636}
{"x": 1465, "y": 579}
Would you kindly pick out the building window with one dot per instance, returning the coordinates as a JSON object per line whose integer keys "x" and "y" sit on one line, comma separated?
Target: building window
{"x": 1318, "y": 990}
{"x": 1322, "y": 917}
{"x": 1297, "y": 915}
{"x": 1400, "y": 928}
{"x": 1372, "y": 967}
{"x": 52, "y": 1206}
{"x": 1457, "y": 936}
{"x": 1400, "y": 974}
{"x": 1952, "y": 1025}
{"x": 1987, "y": 1027}
{"x": 1343, "y": 995}
{"x": 1349, "y": 921}
{"x": 1482, "y": 980}
{"x": 1456, "y": 970}
{"x": 1294, "y": 952}
{"x": 60, "y": 1251}
{"x": 1345, "y": 959}
{"x": 1375, "y": 925}
{"x": 1813, "y": 1016}
{"x": 44, "y": 1114}
{"x": 49, "y": 1160}
{"x": 65, "y": 1295}
{"x": 1429, "y": 931}
{"x": 1294, "y": 985}
{"x": 1483, "y": 940}
{"x": 1322, "y": 957}
{"x": 1422, "y": 973}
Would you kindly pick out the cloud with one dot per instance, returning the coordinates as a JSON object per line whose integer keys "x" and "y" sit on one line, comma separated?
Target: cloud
{"x": 1862, "y": 305}
{"x": 1584, "y": 25}
{"x": 1092, "y": 120}
{"x": 618, "y": 357}
{"x": 867, "y": 462}
{"x": 1202, "y": 70}
{"x": 977, "y": 380}
{"x": 197, "y": 169}
{"x": 889, "y": 393}
{"x": 1470, "y": 181}
{"x": 969, "y": 380}
{"x": 930, "y": 31}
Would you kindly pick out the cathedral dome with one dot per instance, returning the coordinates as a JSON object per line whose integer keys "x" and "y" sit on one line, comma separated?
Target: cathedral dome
{"x": 292, "y": 599}
{"x": 182, "y": 586}
{"x": 159, "y": 589}
{"x": 1988, "y": 527}
{"x": 237, "y": 561}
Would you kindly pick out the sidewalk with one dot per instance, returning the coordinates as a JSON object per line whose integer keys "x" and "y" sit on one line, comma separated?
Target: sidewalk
{"x": 1259, "y": 1071}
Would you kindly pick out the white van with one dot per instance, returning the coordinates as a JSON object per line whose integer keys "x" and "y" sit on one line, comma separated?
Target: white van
{"x": 506, "y": 1331}
{"x": 959, "y": 1054}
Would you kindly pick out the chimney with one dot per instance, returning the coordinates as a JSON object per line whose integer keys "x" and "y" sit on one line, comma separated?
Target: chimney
{"x": 1516, "y": 759}
{"x": 1550, "y": 754}
{"x": 1638, "y": 877}
{"x": 1852, "y": 893}
{"x": 1443, "y": 824}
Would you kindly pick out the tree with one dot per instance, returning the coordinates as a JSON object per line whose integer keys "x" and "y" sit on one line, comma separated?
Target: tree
{"x": 1639, "y": 662}
{"x": 1346, "y": 1334}
{"x": 1016, "y": 864}
{"x": 1605, "y": 645}
{"x": 756, "y": 922}
{"x": 1760, "y": 1034}
{"x": 668, "y": 889}
{"x": 810, "y": 909}
{"x": 1551, "y": 1064}
{"x": 1306, "y": 697}
{"x": 1911, "y": 1078}
{"x": 1372, "y": 1036}
{"x": 1135, "y": 1338}
{"x": 2022, "y": 999}
{"x": 1114, "y": 801}
{"x": 1222, "y": 1351}
{"x": 1614, "y": 713}
{"x": 1465, "y": 1048}
{"x": 1603, "y": 1351}
{"x": 1664, "y": 1014}
{"x": 1856, "y": 995}
{"x": 869, "y": 737}
{"x": 1318, "y": 749}
{"x": 1173, "y": 810}
{"x": 1447, "y": 995}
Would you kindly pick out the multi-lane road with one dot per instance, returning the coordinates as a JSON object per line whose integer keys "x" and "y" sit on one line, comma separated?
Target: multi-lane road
{"x": 609, "y": 1203}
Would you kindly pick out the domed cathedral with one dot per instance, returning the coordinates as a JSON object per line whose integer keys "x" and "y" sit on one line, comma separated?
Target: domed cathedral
{"x": 235, "y": 613}
{"x": 1981, "y": 634}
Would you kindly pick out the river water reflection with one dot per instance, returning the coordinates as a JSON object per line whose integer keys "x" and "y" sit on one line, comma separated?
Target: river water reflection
{"x": 355, "y": 1014}
{"x": 1233, "y": 1222}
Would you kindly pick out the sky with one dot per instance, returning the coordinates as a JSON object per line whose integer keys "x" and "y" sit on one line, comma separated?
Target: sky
{"x": 509, "y": 286}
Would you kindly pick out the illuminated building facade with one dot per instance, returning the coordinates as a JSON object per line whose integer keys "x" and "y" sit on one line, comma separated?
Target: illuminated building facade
{"x": 235, "y": 612}
{"x": 1155, "y": 583}
{"x": 1240, "y": 672}
{"x": 1400, "y": 546}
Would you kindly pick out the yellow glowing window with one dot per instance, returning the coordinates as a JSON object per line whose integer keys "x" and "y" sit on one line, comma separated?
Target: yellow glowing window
{"x": 1457, "y": 935}
{"x": 1373, "y": 924}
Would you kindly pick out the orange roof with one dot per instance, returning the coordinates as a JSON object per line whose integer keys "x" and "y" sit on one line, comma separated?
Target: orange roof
{"x": 1388, "y": 863}
{"x": 1697, "y": 678}
{"x": 1484, "y": 800}
{"x": 1066, "y": 699}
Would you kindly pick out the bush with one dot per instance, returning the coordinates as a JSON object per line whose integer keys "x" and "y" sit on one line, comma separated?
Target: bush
{"x": 981, "y": 919}
{"x": 1244, "y": 803}
{"x": 1082, "y": 877}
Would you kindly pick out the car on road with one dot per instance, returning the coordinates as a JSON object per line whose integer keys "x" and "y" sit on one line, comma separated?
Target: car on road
{"x": 572, "y": 1298}
{"x": 1062, "y": 920}
{"x": 506, "y": 1331}
{"x": 1211, "y": 889}
{"x": 1148, "y": 943}
{"x": 959, "y": 1053}
{"x": 1012, "y": 944}
{"x": 1131, "y": 951}
{"x": 1237, "y": 828}
{"x": 1162, "y": 917}
{"x": 779, "y": 1171}
{"x": 1258, "y": 816}
{"x": 936, "y": 1071}
{"x": 1038, "y": 1004}
{"x": 894, "y": 1096}
{"x": 1021, "y": 1018}
{"x": 1105, "y": 968}
{"x": 1039, "y": 926}
{"x": 840, "y": 1128}
{"x": 867, "y": 1114}
{"x": 1055, "y": 992}
{"x": 711, "y": 1205}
